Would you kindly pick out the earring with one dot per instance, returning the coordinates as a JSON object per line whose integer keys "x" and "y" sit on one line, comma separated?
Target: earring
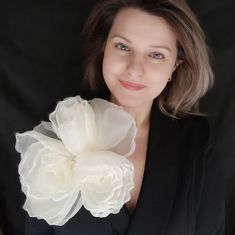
{"x": 169, "y": 78}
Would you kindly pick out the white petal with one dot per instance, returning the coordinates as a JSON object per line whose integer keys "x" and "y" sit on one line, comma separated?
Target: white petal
{"x": 102, "y": 175}
{"x": 24, "y": 140}
{"x": 116, "y": 129}
{"x": 55, "y": 198}
{"x": 54, "y": 212}
{"x": 74, "y": 122}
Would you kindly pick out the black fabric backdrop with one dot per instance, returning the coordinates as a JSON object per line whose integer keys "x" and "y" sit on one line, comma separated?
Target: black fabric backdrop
{"x": 41, "y": 63}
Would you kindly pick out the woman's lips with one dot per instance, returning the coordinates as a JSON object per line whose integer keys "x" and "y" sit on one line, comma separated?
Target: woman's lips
{"x": 132, "y": 86}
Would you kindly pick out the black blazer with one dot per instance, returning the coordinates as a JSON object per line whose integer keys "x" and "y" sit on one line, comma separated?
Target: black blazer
{"x": 181, "y": 193}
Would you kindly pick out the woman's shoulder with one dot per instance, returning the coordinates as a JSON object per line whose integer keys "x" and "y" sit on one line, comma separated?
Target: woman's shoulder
{"x": 195, "y": 123}
{"x": 195, "y": 131}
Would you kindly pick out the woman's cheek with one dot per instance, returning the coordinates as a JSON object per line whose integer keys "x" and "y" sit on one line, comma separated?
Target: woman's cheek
{"x": 114, "y": 64}
{"x": 160, "y": 72}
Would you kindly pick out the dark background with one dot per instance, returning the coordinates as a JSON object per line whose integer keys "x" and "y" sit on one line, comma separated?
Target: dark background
{"x": 41, "y": 63}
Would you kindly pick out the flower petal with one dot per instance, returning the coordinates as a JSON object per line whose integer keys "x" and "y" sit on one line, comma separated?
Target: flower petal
{"x": 116, "y": 129}
{"x": 74, "y": 122}
{"x": 54, "y": 212}
{"x": 47, "y": 175}
{"x": 102, "y": 177}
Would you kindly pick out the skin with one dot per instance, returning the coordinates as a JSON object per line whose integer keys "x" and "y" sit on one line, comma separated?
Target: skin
{"x": 140, "y": 48}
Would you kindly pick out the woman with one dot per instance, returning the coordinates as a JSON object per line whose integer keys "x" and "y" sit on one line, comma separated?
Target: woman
{"x": 150, "y": 58}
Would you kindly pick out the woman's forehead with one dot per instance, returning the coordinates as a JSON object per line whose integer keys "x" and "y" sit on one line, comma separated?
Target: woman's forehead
{"x": 136, "y": 25}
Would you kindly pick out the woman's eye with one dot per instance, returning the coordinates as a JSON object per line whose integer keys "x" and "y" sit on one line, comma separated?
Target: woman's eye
{"x": 157, "y": 56}
{"x": 122, "y": 47}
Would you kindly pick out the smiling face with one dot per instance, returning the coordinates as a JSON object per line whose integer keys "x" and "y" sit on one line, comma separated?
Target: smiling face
{"x": 139, "y": 57}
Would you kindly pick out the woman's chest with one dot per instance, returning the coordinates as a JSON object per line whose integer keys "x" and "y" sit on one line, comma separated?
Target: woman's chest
{"x": 138, "y": 159}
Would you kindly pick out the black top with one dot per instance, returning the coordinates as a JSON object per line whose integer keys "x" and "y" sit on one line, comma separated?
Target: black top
{"x": 181, "y": 193}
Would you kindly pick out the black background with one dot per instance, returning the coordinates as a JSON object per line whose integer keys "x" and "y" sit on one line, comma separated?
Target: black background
{"x": 41, "y": 63}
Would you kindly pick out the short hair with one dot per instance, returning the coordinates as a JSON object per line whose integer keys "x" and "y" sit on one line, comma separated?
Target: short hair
{"x": 192, "y": 78}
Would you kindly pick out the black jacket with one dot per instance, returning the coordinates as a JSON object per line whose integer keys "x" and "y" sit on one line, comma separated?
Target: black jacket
{"x": 181, "y": 194}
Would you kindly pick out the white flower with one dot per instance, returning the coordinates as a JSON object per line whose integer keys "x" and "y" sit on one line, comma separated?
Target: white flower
{"x": 47, "y": 176}
{"x": 116, "y": 129}
{"x": 78, "y": 158}
{"x": 95, "y": 125}
{"x": 74, "y": 123}
{"x": 106, "y": 180}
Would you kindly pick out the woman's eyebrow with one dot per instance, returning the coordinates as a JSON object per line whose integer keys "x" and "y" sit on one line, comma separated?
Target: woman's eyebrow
{"x": 152, "y": 46}
{"x": 119, "y": 36}
{"x": 162, "y": 47}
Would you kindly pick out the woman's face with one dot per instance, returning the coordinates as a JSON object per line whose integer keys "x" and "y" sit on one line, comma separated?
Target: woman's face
{"x": 139, "y": 57}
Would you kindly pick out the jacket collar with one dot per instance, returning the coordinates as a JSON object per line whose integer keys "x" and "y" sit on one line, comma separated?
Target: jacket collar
{"x": 160, "y": 178}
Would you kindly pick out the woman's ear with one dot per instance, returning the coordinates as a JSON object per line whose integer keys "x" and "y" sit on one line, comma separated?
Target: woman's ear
{"x": 177, "y": 63}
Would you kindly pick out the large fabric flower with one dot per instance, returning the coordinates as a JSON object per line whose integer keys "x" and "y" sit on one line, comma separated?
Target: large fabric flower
{"x": 106, "y": 179}
{"x": 77, "y": 159}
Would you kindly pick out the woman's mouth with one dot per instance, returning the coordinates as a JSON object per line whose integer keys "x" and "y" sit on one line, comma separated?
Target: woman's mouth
{"x": 132, "y": 85}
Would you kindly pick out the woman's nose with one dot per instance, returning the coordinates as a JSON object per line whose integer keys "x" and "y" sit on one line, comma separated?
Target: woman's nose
{"x": 135, "y": 66}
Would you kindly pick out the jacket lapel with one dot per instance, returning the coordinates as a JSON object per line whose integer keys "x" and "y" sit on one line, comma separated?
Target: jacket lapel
{"x": 160, "y": 178}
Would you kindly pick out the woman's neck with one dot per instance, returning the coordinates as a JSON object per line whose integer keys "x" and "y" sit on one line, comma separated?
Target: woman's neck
{"x": 141, "y": 114}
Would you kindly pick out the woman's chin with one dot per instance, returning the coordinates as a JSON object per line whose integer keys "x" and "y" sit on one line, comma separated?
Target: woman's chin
{"x": 125, "y": 101}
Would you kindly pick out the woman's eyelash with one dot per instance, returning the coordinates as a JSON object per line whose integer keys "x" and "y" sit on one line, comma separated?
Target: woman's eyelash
{"x": 122, "y": 47}
{"x": 157, "y": 55}
{"x": 154, "y": 55}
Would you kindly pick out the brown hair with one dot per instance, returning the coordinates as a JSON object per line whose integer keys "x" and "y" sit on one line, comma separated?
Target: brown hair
{"x": 190, "y": 80}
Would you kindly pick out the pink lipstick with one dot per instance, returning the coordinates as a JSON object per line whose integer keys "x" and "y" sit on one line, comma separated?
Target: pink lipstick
{"x": 132, "y": 86}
